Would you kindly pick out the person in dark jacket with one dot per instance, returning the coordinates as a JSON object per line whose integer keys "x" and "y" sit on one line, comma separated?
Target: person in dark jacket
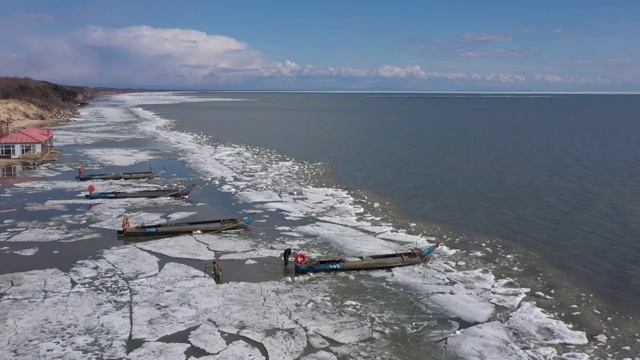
{"x": 285, "y": 255}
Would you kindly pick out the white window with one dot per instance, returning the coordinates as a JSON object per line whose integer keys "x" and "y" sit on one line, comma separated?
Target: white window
{"x": 7, "y": 150}
{"x": 26, "y": 149}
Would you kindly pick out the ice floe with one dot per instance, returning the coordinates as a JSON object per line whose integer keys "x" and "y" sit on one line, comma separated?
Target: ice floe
{"x": 207, "y": 337}
{"x": 237, "y": 350}
{"x": 45, "y": 233}
{"x": 258, "y": 253}
{"x": 183, "y": 247}
{"x": 120, "y": 156}
{"x": 26, "y": 252}
{"x": 224, "y": 242}
{"x": 468, "y": 307}
{"x": 532, "y": 322}
{"x": 490, "y": 340}
{"x": 349, "y": 240}
{"x": 159, "y": 350}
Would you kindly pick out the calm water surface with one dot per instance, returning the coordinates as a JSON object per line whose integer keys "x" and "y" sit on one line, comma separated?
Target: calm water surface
{"x": 558, "y": 174}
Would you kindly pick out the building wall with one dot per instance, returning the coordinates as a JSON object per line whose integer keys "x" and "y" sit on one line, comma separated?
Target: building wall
{"x": 17, "y": 153}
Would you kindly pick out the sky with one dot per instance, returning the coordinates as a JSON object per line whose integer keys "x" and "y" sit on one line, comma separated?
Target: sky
{"x": 348, "y": 45}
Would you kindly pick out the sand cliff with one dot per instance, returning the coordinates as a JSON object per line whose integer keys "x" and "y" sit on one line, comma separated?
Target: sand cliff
{"x": 20, "y": 114}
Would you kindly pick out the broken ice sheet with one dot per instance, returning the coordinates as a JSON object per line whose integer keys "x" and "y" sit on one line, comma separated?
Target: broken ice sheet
{"x": 26, "y": 252}
{"x": 120, "y": 156}
{"x": 485, "y": 341}
{"x": 533, "y": 322}
{"x": 207, "y": 337}
{"x": 159, "y": 350}
{"x": 185, "y": 247}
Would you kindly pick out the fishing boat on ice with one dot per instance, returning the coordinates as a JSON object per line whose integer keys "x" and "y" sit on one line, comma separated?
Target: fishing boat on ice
{"x": 372, "y": 262}
{"x": 183, "y": 228}
{"x": 118, "y": 176}
{"x": 175, "y": 192}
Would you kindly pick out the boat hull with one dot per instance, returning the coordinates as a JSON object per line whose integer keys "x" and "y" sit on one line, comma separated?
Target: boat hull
{"x": 376, "y": 262}
{"x": 141, "y": 194}
{"x": 119, "y": 176}
{"x": 187, "y": 228}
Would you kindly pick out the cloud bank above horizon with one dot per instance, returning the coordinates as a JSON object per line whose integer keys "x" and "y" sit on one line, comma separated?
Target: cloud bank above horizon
{"x": 164, "y": 57}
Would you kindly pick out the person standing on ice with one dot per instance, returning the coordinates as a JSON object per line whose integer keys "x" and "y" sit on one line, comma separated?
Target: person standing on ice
{"x": 285, "y": 255}
{"x": 217, "y": 271}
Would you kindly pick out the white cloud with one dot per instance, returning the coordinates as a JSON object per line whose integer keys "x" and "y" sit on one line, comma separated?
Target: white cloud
{"x": 143, "y": 55}
{"x": 388, "y": 71}
{"x": 547, "y": 78}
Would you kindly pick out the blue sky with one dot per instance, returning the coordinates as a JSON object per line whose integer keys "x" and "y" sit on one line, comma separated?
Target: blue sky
{"x": 326, "y": 45}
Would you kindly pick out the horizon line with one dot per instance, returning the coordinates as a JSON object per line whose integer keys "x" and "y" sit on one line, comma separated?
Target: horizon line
{"x": 633, "y": 92}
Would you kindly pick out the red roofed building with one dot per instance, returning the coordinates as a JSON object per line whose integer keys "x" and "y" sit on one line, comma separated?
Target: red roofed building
{"x": 30, "y": 142}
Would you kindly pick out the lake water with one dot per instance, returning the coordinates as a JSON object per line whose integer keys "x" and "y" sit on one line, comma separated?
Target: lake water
{"x": 556, "y": 174}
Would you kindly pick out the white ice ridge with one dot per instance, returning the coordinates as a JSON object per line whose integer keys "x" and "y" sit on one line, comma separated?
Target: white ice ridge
{"x": 97, "y": 123}
{"x": 120, "y": 156}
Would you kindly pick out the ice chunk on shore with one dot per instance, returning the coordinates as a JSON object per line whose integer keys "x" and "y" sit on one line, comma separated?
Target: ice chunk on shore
{"x": 533, "y": 322}
{"x": 509, "y": 297}
{"x": 39, "y": 282}
{"x": 258, "y": 196}
{"x": 468, "y": 307}
{"x": 224, "y": 242}
{"x": 350, "y": 241}
{"x": 259, "y": 253}
{"x": 320, "y": 355}
{"x": 42, "y": 314}
{"x": 422, "y": 279}
{"x": 473, "y": 279}
{"x": 159, "y": 350}
{"x": 185, "y": 247}
{"x": 160, "y": 308}
{"x": 238, "y": 350}
{"x": 26, "y": 252}
{"x": 40, "y": 235}
{"x": 207, "y": 337}
{"x": 286, "y": 344}
{"x": 485, "y": 341}
{"x": 119, "y": 156}
{"x": 575, "y": 356}
{"x": 132, "y": 262}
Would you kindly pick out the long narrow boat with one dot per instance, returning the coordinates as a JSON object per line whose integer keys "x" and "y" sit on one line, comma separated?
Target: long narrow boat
{"x": 184, "y": 228}
{"x": 373, "y": 262}
{"x": 120, "y": 176}
{"x": 176, "y": 192}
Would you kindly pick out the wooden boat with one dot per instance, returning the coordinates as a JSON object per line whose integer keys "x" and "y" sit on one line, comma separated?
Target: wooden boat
{"x": 373, "y": 262}
{"x": 184, "y": 228}
{"x": 119, "y": 176}
{"x": 142, "y": 194}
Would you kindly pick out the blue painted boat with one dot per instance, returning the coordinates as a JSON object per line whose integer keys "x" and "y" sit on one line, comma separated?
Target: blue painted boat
{"x": 176, "y": 192}
{"x": 184, "y": 228}
{"x": 372, "y": 262}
